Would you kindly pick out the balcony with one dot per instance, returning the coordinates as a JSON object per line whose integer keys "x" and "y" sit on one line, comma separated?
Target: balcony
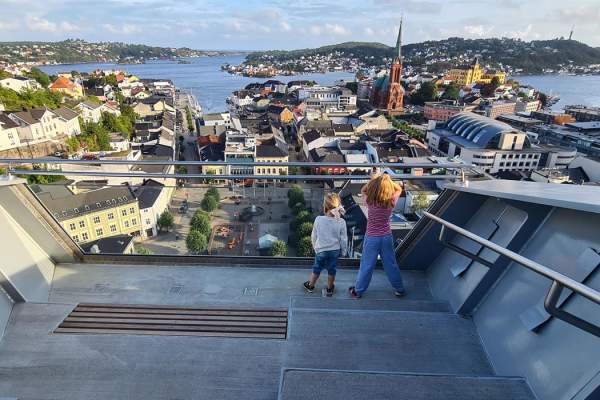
{"x": 472, "y": 325}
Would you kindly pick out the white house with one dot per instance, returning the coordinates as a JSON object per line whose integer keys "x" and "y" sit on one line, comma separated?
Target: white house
{"x": 36, "y": 125}
{"x": 90, "y": 112}
{"x": 68, "y": 121}
{"x": 153, "y": 199}
{"x": 118, "y": 141}
{"x": 20, "y": 84}
{"x": 9, "y": 136}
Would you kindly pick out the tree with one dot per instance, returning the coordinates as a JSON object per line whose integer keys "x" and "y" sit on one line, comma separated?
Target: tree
{"x": 427, "y": 92}
{"x": 209, "y": 204}
{"x": 201, "y": 222}
{"x": 489, "y": 89}
{"x": 189, "y": 119}
{"x": 295, "y": 196}
{"x": 111, "y": 80}
{"x": 543, "y": 98}
{"x": 419, "y": 202}
{"x": 452, "y": 92}
{"x": 143, "y": 251}
{"x": 298, "y": 208}
{"x": 181, "y": 169}
{"x": 301, "y": 217}
{"x": 279, "y": 249}
{"x": 304, "y": 229}
{"x": 214, "y": 192}
{"x": 165, "y": 220}
{"x": 39, "y": 76}
{"x": 196, "y": 242}
{"x": 304, "y": 247}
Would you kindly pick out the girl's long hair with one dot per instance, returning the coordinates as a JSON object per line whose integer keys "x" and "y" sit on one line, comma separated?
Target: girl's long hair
{"x": 331, "y": 201}
{"x": 380, "y": 191}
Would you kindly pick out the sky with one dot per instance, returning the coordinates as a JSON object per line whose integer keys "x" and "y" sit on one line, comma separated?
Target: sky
{"x": 285, "y": 24}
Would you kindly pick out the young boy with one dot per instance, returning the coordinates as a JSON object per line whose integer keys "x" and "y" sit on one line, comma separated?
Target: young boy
{"x": 330, "y": 241}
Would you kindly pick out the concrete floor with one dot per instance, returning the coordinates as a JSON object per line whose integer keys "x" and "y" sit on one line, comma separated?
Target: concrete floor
{"x": 376, "y": 333}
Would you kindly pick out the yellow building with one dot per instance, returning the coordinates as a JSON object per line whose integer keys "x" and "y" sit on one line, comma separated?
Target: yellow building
{"x": 67, "y": 86}
{"x": 95, "y": 214}
{"x": 272, "y": 150}
{"x": 470, "y": 74}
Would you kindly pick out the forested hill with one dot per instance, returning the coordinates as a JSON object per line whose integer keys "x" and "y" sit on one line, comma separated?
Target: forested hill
{"x": 76, "y": 51}
{"x": 531, "y": 56}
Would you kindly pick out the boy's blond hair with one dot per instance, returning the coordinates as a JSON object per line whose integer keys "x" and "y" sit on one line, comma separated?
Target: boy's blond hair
{"x": 331, "y": 201}
{"x": 380, "y": 191}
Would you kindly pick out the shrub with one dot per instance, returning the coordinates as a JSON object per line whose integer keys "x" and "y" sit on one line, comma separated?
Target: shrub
{"x": 279, "y": 249}
{"x": 298, "y": 208}
{"x": 214, "y": 192}
{"x": 209, "y": 204}
{"x": 304, "y": 229}
{"x": 295, "y": 196}
{"x": 304, "y": 247}
{"x": 165, "y": 220}
{"x": 196, "y": 242}
{"x": 201, "y": 222}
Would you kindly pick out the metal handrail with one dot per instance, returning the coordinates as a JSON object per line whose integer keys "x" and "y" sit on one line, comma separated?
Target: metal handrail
{"x": 400, "y": 164}
{"x": 159, "y": 175}
{"x": 559, "y": 281}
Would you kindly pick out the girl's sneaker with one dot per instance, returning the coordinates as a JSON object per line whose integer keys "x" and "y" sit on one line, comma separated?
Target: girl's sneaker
{"x": 329, "y": 291}
{"x": 352, "y": 292}
{"x": 399, "y": 293}
{"x": 307, "y": 287}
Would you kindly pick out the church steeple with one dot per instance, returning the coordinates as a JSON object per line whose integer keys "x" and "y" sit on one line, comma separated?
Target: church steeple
{"x": 399, "y": 44}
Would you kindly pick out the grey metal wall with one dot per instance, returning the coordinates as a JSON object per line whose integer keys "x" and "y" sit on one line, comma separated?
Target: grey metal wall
{"x": 559, "y": 360}
{"x": 5, "y": 309}
{"x": 453, "y": 276}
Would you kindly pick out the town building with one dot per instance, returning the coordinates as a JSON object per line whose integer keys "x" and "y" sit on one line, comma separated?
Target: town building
{"x": 94, "y": 214}
{"x": 9, "y": 135}
{"x": 470, "y": 74}
{"x": 387, "y": 93}
{"x": 327, "y": 99}
{"x": 519, "y": 121}
{"x": 20, "y": 84}
{"x": 36, "y": 125}
{"x": 550, "y": 117}
{"x": 239, "y": 147}
{"x": 119, "y": 244}
{"x": 67, "y": 86}
{"x": 68, "y": 121}
{"x": 584, "y": 136}
{"x": 443, "y": 110}
{"x": 583, "y": 113}
{"x": 272, "y": 150}
{"x": 153, "y": 199}
{"x": 493, "y": 146}
{"x": 498, "y": 108}
{"x": 527, "y": 106}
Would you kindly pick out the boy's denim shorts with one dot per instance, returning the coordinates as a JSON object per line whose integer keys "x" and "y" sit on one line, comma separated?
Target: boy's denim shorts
{"x": 326, "y": 260}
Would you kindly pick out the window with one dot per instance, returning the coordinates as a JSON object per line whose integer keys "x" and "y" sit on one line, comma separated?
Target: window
{"x": 99, "y": 232}
{"x": 133, "y": 221}
{"x": 113, "y": 228}
{"x": 124, "y": 212}
{"x": 111, "y": 216}
{"x": 96, "y": 219}
{"x": 148, "y": 221}
{"x": 84, "y": 236}
{"x": 72, "y": 226}
{"x": 132, "y": 210}
{"x": 82, "y": 224}
{"x": 76, "y": 238}
{"x": 126, "y": 223}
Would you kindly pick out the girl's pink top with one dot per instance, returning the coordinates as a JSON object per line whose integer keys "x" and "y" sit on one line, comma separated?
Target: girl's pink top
{"x": 378, "y": 220}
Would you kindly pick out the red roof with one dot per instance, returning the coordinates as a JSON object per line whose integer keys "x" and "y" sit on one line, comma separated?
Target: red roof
{"x": 62, "y": 83}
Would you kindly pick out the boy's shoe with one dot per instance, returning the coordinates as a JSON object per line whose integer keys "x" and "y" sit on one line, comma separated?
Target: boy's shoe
{"x": 352, "y": 292}
{"x": 307, "y": 287}
{"x": 329, "y": 291}
{"x": 399, "y": 293}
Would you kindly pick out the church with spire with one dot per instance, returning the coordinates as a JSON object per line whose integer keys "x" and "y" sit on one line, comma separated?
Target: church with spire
{"x": 387, "y": 93}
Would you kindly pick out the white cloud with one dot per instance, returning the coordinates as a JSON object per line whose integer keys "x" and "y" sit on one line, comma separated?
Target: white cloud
{"x": 478, "y": 30}
{"x": 285, "y": 27}
{"x": 8, "y": 26}
{"x": 38, "y": 24}
{"x": 125, "y": 29}
{"x": 336, "y": 29}
{"x": 369, "y": 31}
{"x": 68, "y": 27}
{"x": 315, "y": 30}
